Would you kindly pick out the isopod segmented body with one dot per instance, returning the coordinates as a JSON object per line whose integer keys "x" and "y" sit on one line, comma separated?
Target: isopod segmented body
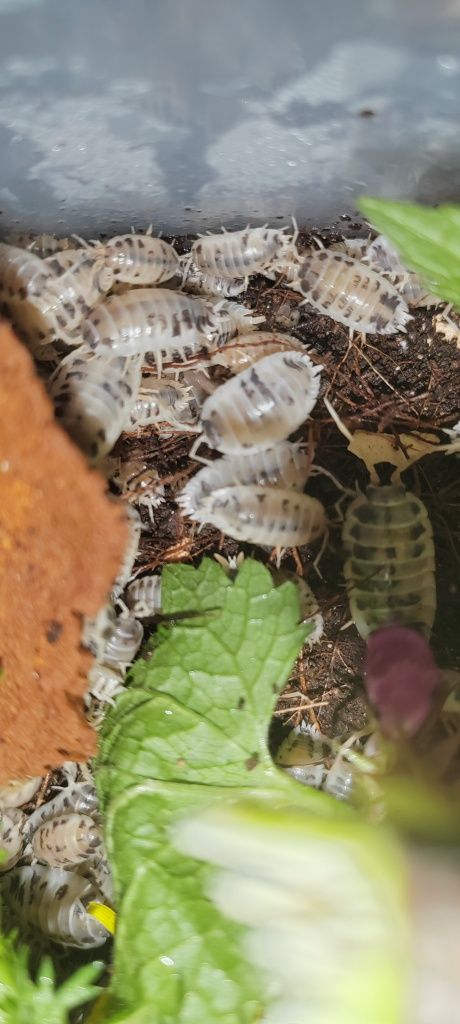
{"x": 262, "y": 405}
{"x": 382, "y": 256}
{"x": 198, "y": 282}
{"x": 237, "y": 254}
{"x": 76, "y": 798}
{"x": 54, "y": 901}
{"x": 123, "y": 642}
{"x": 160, "y": 398}
{"x": 140, "y": 259}
{"x": 154, "y": 320}
{"x": 286, "y": 465}
{"x": 390, "y": 568}
{"x": 19, "y": 791}
{"x": 354, "y": 295}
{"x": 93, "y": 399}
{"x": 139, "y": 484}
{"x": 247, "y": 349}
{"x": 263, "y": 515}
{"x": 12, "y": 840}
{"x": 143, "y": 596}
{"x": 105, "y": 682}
{"x": 66, "y": 839}
{"x": 129, "y": 557}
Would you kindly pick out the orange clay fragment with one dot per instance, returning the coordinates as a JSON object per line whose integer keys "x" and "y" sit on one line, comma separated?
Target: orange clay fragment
{"x": 61, "y": 544}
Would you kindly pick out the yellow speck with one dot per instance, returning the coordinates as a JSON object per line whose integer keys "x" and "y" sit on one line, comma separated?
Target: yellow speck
{"x": 104, "y": 914}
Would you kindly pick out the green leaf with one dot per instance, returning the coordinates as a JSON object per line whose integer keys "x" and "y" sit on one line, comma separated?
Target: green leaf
{"x": 428, "y": 240}
{"x": 192, "y": 731}
{"x": 23, "y": 1001}
{"x": 325, "y": 901}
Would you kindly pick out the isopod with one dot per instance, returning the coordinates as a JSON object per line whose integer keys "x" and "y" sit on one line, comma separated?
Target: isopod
{"x": 238, "y": 254}
{"x": 93, "y": 399}
{"x": 198, "y": 282}
{"x": 66, "y": 840}
{"x": 12, "y": 840}
{"x": 352, "y": 294}
{"x": 160, "y": 399}
{"x": 248, "y": 349}
{"x": 105, "y": 682}
{"x": 286, "y": 465}
{"x": 143, "y": 596}
{"x": 263, "y": 515}
{"x": 123, "y": 642}
{"x": 129, "y": 557}
{"x": 54, "y": 901}
{"x": 384, "y": 257}
{"x": 308, "y": 605}
{"x": 156, "y": 320}
{"x": 19, "y": 791}
{"x": 140, "y": 259}
{"x": 76, "y": 798}
{"x": 262, "y": 405}
{"x": 306, "y": 756}
{"x": 139, "y": 484}
{"x": 388, "y": 540}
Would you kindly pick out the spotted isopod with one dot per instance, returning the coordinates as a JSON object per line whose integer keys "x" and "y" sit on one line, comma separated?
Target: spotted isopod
{"x": 285, "y": 465}
{"x": 12, "y": 840}
{"x": 140, "y": 259}
{"x": 238, "y": 254}
{"x": 384, "y": 257}
{"x": 66, "y": 840}
{"x": 93, "y": 399}
{"x": 199, "y": 282}
{"x": 160, "y": 399}
{"x": 54, "y": 900}
{"x": 139, "y": 484}
{"x": 19, "y": 791}
{"x": 143, "y": 596}
{"x": 156, "y": 320}
{"x": 76, "y": 798}
{"x": 352, "y": 294}
{"x": 263, "y": 515}
{"x": 262, "y": 405}
{"x": 247, "y": 349}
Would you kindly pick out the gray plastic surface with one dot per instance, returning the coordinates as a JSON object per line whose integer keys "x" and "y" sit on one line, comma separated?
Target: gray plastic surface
{"x": 194, "y": 113}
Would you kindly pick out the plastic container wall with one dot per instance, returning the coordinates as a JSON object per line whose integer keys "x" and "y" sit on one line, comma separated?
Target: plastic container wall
{"x": 194, "y": 113}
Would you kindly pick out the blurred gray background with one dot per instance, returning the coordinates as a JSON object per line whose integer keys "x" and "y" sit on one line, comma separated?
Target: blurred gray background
{"x": 194, "y": 113}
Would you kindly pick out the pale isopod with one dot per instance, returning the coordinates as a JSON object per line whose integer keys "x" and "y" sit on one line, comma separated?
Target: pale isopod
{"x": 77, "y": 798}
{"x": 93, "y": 399}
{"x": 140, "y": 259}
{"x": 237, "y": 254}
{"x": 263, "y": 515}
{"x": 54, "y": 901}
{"x": 123, "y": 642}
{"x": 129, "y": 558}
{"x": 12, "y": 840}
{"x": 384, "y": 257}
{"x": 143, "y": 596}
{"x": 104, "y": 683}
{"x": 354, "y": 295}
{"x": 286, "y": 465}
{"x": 247, "y": 349}
{"x": 154, "y": 320}
{"x": 19, "y": 791}
{"x": 198, "y": 282}
{"x": 139, "y": 484}
{"x": 66, "y": 840}
{"x": 262, "y": 405}
{"x": 159, "y": 398}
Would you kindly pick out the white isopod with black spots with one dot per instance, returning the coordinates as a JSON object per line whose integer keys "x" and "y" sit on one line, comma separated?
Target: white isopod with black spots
{"x": 129, "y": 557}
{"x": 247, "y": 349}
{"x": 286, "y": 465}
{"x": 140, "y": 259}
{"x": 12, "y": 839}
{"x": 54, "y": 900}
{"x": 238, "y": 254}
{"x": 269, "y": 516}
{"x": 199, "y": 282}
{"x": 143, "y": 596}
{"x": 262, "y": 405}
{"x": 76, "y": 798}
{"x": 66, "y": 840}
{"x": 354, "y": 295}
{"x": 19, "y": 791}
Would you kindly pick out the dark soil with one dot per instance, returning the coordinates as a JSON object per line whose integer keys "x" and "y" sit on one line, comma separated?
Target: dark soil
{"x": 404, "y": 383}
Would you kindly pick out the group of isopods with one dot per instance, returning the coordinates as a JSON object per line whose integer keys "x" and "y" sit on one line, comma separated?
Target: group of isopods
{"x": 63, "y": 867}
{"x": 136, "y": 335}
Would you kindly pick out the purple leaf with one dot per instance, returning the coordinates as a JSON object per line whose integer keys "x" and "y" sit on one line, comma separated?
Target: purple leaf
{"x": 400, "y": 676}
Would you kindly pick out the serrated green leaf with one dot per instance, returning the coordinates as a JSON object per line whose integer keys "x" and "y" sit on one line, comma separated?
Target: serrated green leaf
{"x": 23, "y": 1001}
{"x": 191, "y": 731}
{"x": 427, "y": 239}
